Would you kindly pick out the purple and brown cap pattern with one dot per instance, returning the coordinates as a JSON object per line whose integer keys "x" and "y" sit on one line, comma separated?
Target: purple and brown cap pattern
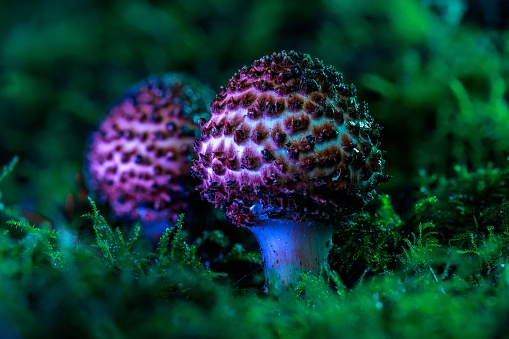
{"x": 287, "y": 134}
{"x": 139, "y": 159}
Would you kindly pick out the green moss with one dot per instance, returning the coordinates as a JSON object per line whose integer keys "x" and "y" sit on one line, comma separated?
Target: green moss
{"x": 426, "y": 258}
{"x": 370, "y": 243}
{"x": 423, "y": 275}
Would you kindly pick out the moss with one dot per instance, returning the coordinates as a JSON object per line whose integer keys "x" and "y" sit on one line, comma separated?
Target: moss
{"x": 420, "y": 275}
{"x": 427, "y": 257}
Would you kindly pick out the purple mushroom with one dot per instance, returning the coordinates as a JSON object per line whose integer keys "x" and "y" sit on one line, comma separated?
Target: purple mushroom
{"x": 139, "y": 159}
{"x": 290, "y": 154}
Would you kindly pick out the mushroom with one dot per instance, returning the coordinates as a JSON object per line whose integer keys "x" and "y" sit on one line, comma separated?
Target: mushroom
{"x": 139, "y": 159}
{"x": 291, "y": 154}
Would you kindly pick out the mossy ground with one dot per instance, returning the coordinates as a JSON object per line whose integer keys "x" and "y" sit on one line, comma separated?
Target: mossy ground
{"x": 440, "y": 271}
{"x": 427, "y": 257}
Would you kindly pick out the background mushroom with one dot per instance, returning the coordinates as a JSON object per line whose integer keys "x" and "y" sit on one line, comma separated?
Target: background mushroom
{"x": 139, "y": 159}
{"x": 289, "y": 153}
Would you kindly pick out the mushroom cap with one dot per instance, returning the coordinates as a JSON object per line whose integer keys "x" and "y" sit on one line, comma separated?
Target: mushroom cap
{"x": 139, "y": 159}
{"x": 287, "y": 138}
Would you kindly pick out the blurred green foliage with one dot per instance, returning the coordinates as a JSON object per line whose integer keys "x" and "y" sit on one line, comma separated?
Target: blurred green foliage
{"x": 430, "y": 77}
{"x": 427, "y": 257}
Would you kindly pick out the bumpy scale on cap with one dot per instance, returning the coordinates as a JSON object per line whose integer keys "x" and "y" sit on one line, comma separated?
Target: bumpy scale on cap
{"x": 287, "y": 134}
{"x": 139, "y": 159}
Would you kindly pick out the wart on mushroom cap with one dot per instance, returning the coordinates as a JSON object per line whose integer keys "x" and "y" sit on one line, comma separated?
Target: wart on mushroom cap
{"x": 288, "y": 147}
{"x": 139, "y": 159}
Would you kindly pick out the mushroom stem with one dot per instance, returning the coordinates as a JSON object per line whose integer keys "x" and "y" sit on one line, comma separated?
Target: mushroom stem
{"x": 154, "y": 225}
{"x": 290, "y": 248}
{"x": 153, "y": 230}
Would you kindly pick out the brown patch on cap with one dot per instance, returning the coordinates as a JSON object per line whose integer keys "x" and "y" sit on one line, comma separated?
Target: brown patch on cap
{"x": 296, "y": 123}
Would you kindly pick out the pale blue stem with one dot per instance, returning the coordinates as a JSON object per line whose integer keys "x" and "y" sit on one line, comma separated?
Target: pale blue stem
{"x": 290, "y": 248}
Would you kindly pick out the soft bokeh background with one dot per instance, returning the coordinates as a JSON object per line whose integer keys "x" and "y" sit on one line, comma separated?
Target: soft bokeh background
{"x": 434, "y": 72}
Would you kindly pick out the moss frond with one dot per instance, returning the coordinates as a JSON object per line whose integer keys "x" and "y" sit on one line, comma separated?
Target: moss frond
{"x": 371, "y": 241}
{"x": 173, "y": 248}
{"x": 417, "y": 255}
{"x": 111, "y": 244}
{"x": 47, "y": 237}
{"x": 6, "y": 170}
{"x": 5, "y": 211}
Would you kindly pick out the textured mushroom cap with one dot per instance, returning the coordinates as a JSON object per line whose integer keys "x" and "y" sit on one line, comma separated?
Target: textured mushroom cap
{"x": 139, "y": 159}
{"x": 288, "y": 139}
